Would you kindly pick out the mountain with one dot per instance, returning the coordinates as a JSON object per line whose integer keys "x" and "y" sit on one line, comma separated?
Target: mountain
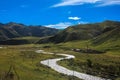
{"x": 20, "y": 41}
{"x": 13, "y": 30}
{"x": 112, "y": 35}
{"x": 109, "y": 40}
{"x": 83, "y": 32}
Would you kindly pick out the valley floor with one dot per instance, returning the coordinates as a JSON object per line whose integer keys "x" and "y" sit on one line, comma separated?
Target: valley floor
{"x": 26, "y": 65}
{"x": 52, "y": 63}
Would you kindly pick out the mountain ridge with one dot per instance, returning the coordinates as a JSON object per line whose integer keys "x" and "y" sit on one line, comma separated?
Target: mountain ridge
{"x": 82, "y": 32}
{"x": 13, "y": 30}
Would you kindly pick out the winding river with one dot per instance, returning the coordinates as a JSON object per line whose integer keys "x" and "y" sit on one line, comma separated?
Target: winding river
{"x": 52, "y": 63}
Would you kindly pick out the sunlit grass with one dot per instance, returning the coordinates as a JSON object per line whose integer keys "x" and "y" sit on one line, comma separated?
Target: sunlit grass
{"x": 27, "y": 68}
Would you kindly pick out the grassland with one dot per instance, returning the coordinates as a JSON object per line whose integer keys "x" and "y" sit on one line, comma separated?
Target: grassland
{"x": 105, "y": 65}
{"x": 26, "y": 65}
{"x": 30, "y": 39}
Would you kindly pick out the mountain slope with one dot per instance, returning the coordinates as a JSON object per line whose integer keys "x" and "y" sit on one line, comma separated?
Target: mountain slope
{"x": 13, "y": 30}
{"x": 111, "y": 35}
{"x": 108, "y": 40}
{"x": 20, "y": 41}
{"x": 82, "y": 32}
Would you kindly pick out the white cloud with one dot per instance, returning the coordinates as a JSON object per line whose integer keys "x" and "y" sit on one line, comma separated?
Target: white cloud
{"x": 74, "y": 18}
{"x": 81, "y": 2}
{"x": 108, "y": 2}
{"x": 60, "y": 25}
{"x": 74, "y": 2}
{"x": 63, "y": 25}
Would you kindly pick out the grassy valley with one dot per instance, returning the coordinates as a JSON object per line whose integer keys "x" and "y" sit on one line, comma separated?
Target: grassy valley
{"x": 82, "y": 32}
{"x": 103, "y": 37}
{"x": 74, "y": 40}
{"x": 26, "y": 67}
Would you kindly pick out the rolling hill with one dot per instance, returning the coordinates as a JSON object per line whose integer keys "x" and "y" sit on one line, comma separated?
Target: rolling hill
{"x": 109, "y": 40}
{"x": 84, "y": 32}
{"x": 13, "y": 30}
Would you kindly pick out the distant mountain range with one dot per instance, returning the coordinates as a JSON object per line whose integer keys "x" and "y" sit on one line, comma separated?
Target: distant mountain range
{"x": 13, "y": 30}
{"x": 98, "y": 32}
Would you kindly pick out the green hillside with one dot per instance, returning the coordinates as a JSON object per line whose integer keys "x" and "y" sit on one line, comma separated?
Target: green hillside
{"x": 13, "y": 30}
{"x": 20, "y": 41}
{"x": 108, "y": 40}
{"x": 105, "y": 64}
{"x": 82, "y": 32}
{"x": 103, "y": 37}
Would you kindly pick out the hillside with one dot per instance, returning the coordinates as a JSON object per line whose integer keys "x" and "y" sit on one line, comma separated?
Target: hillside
{"x": 109, "y": 40}
{"x": 82, "y": 32}
{"x": 13, "y": 30}
{"x": 20, "y": 41}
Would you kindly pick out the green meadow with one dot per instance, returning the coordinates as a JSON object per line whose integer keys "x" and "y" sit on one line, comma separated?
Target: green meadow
{"x": 24, "y": 64}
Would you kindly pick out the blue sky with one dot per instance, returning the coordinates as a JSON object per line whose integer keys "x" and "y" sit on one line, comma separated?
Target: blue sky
{"x": 58, "y": 13}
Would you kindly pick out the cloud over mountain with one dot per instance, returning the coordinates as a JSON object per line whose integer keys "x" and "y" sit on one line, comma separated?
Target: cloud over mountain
{"x": 60, "y": 25}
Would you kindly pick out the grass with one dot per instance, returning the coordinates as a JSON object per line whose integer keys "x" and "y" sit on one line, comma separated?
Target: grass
{"x": 102, "y": 65}
{"x": 105, "y": 65}
{"x": 27, "y": 64}
{"x": 30, "y": 39}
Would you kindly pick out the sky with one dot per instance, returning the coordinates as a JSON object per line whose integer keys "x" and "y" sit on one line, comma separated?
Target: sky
{"x": 58, "y": 13}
